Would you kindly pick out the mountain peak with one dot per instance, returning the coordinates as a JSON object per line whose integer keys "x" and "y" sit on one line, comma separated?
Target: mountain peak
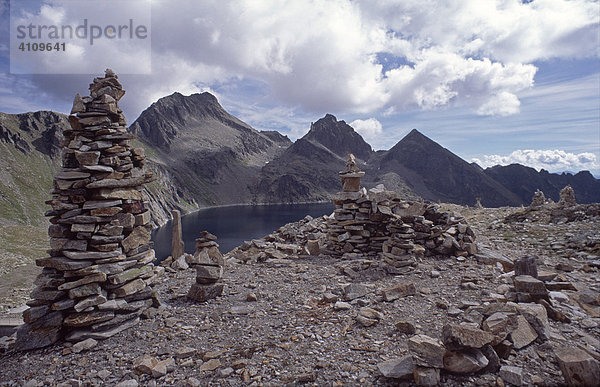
{"x": 338, "y": 137}
{"x": 415, "y": 135}
{"x": 177, "y": 115}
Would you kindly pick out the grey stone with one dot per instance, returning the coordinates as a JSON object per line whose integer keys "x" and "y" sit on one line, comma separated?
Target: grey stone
{"x": 177, "y": 246}
{"x": 426, "y": 376}
{"x": 456, "y": 336}
{"x": 577, "y": 366}
{"x": 398, "y": 368}
{"x": 512, "y": 375}
{"x": 84, "y": 345}
{"x": 201, "y": 293}
{"x": 354, "y": 291}
{"x": 523, "y": 334}
{"x": 466, "y": 361}
{"x": 399, "y": 291}
{"x": 428, "y": 352}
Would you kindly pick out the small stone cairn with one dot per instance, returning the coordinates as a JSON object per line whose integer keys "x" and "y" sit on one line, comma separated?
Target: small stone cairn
{"x": 97, "y": 279}
{"x": 209, "y": 263}
{"x": 380, "y": 223}
{"x": 538, "y": 199}
{"x": 567, "y": 197}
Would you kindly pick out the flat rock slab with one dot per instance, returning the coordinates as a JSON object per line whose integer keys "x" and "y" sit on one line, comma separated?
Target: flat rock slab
{"x": 399, "y": 368}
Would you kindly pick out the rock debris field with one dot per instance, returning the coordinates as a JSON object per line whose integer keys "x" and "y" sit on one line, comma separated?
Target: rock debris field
{"x": 287, "y": 317}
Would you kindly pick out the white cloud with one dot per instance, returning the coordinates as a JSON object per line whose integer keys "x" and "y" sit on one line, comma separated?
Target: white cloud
{"x": 322, "y": 56}
{"x": 370, "y": 128}
{"x": 553, "y": 160}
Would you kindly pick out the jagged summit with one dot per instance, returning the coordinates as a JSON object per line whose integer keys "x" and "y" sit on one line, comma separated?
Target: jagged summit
{"x": 338, "y": 137}
{"x": 177, "y": 115}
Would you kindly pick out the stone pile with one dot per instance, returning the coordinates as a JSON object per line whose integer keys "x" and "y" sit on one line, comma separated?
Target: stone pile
{"x": 379, "y": 223}
{"x": 478, "y": 346}
{"x": 209, "y": 263}
{"x": 567, "y": 197}
{"x": 97, "y": 280}
{"x": 538, "y": 199}
{"x": 545, "y": 210}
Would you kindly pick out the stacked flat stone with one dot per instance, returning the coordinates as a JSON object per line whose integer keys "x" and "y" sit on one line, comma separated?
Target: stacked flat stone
{"x": 209, "y": 263}
{"x": 567, "y": 197}
{"x": 538, "y": 199}
{"x": 97, "y": 280}
{"x": 379, "y": 223}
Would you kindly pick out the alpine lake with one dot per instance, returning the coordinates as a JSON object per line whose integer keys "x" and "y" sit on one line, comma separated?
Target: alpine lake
{"x": 234, "y": 224}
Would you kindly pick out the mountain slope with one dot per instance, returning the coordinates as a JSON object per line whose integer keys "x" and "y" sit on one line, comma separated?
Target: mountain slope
{"x": 435, "y": 173}
{"x": 211, "y": 156}
{"x": 30, "y": 156}
{"x": 524, "y": 181}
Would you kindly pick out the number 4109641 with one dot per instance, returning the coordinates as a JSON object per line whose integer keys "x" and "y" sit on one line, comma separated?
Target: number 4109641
{"x": 41, "y": 46}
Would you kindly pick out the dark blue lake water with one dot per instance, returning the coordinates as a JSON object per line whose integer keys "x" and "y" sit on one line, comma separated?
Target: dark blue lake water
{"x": 234, "y": 225}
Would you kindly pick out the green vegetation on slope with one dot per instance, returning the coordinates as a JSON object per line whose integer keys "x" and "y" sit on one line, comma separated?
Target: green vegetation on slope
{"x": 25, "y": 184}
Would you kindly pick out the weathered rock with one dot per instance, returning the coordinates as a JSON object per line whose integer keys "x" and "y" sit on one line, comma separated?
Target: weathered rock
{"x": 512, "y": 375}
{"x": 523, "y": 334}
{"x": 313, "y": 247}
{"x": 208, "y": 274}
{"x": 399, "y": 291}
{"x": 130, "y": 288}
{"x": 537, "y": 317}
{"x": 577, "y": 366}
{"x": 427, "y": 351}
{"x": 210, "y": 365}
{"x": 201, "y": 293}
{"x": 456, "y": 337}
{"x": 466, "y": 361}
{"x": 398, "y": 368}
{"x": 180, "y": 263}
{"x": 139, "y": 236}
{"x": 84, "y": 345}
{"x": 354, "y": 291}
{"x": 144, "y": 364}
{"x": 526, "y": 266}
{"x": 406, "y": 327}
{"x": 177, "y": 246}
{"x": 426, "y": 376}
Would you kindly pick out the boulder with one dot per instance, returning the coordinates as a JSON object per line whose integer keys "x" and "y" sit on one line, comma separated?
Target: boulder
{"x": 427, "y": 351}
{"x": 578, "y": 367}
{"x": 465, "y": 362}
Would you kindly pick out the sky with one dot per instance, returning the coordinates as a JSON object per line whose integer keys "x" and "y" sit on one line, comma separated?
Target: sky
{"x": 494, "y": 81}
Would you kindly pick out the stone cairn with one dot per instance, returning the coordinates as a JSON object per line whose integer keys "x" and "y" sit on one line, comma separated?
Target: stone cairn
{"x": 97, "y": 280}
{"x": 567, "y": 197}
{"x": 379, "y": 223}
{"x": 209, "y": 263}
{"x": 538, "y": 199}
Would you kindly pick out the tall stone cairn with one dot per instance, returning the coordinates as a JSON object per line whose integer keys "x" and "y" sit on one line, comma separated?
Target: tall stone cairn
{"x": 97, "y": 279}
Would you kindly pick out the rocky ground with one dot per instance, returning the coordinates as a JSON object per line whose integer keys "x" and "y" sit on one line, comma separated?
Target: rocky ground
{"x": 290, "y": 318}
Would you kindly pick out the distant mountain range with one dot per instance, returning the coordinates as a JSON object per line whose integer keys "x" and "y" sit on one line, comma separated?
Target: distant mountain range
{"x": 204, "y": 156}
